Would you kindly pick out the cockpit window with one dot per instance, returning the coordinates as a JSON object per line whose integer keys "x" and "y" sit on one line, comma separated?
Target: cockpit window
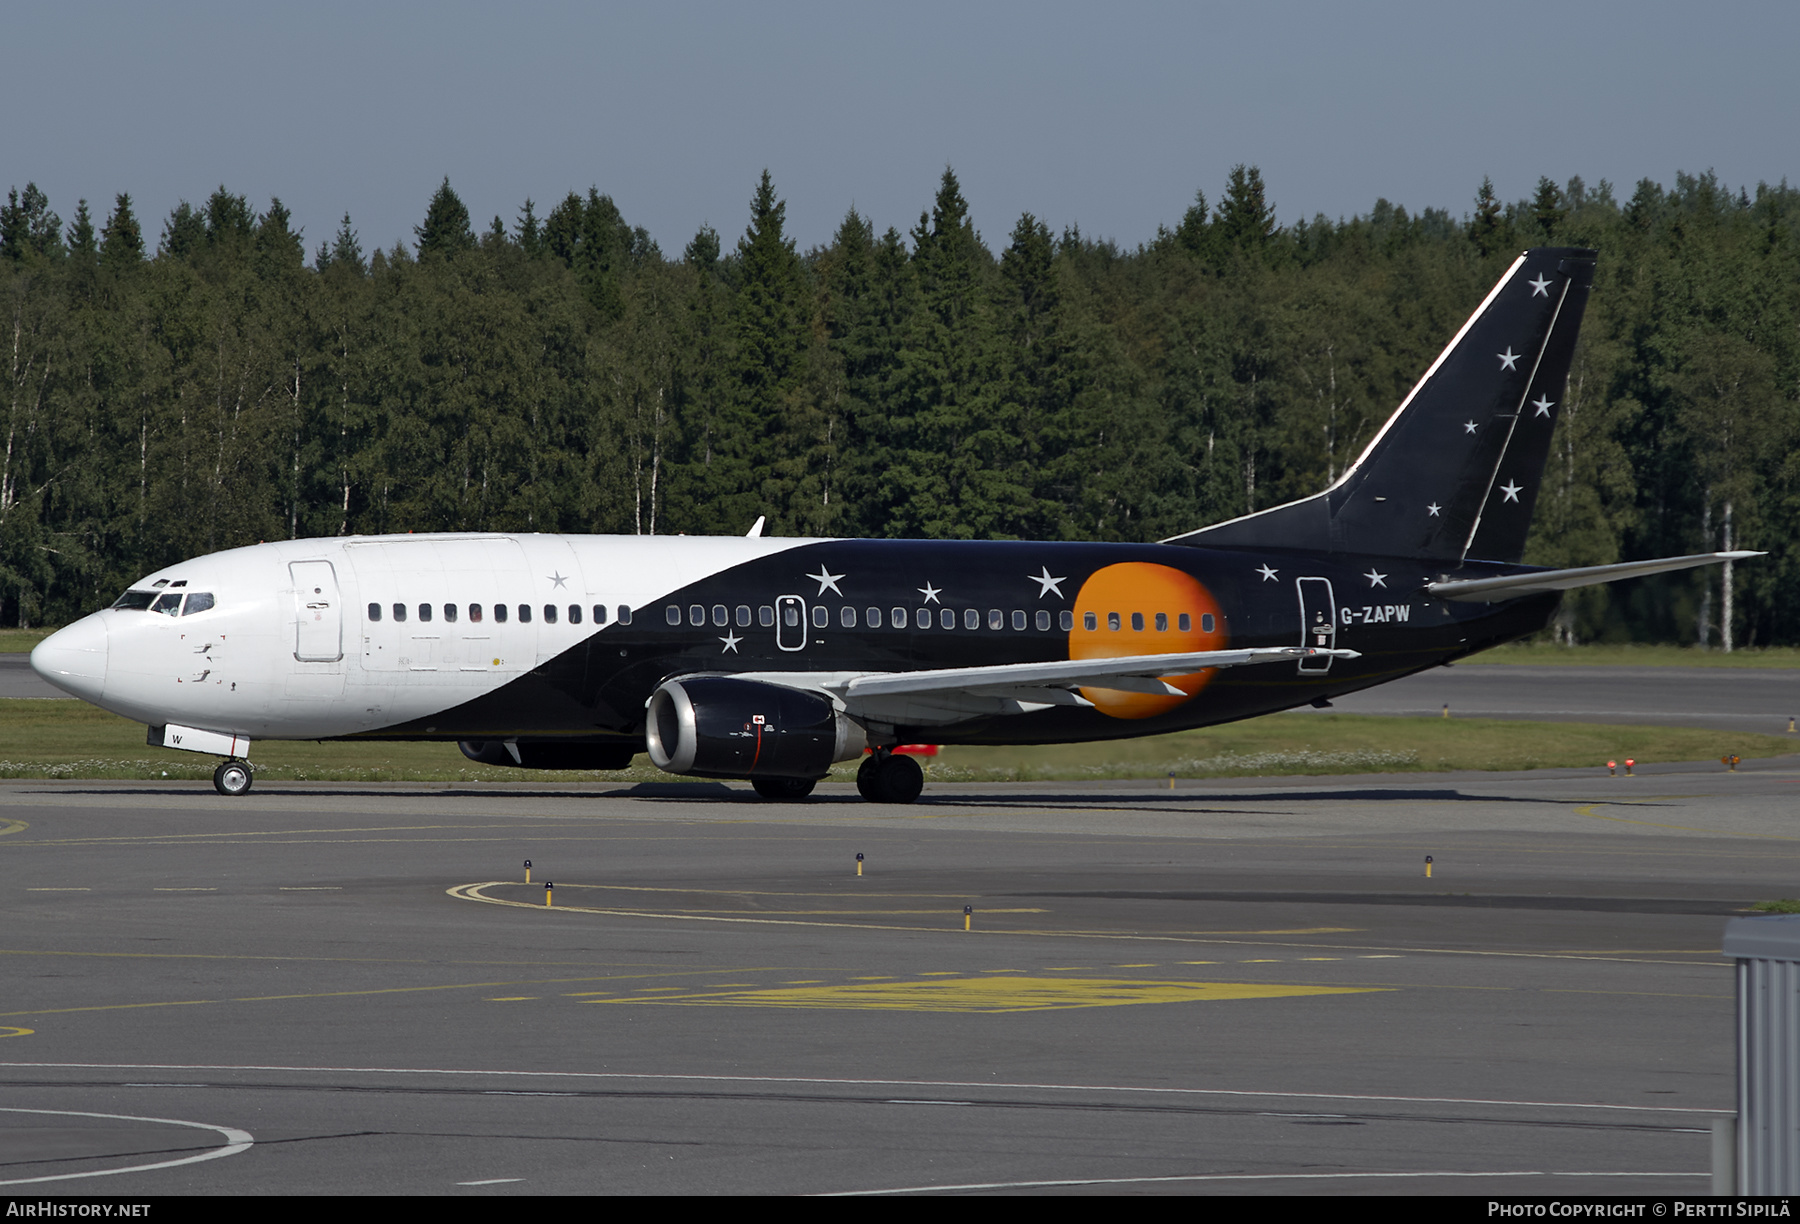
{"x": 168, "y": 605}
{"x": 198, "y": 601}
{"x": 135, "y": 601}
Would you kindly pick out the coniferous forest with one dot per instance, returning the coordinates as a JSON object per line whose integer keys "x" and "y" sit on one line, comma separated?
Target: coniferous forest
{"x": 180, "y": 387}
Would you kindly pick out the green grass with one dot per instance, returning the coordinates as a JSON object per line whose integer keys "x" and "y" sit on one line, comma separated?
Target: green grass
{"x": 1631, "y": 654}
{"x": 71, "y": 739}
{"x": 20, "y": 641}
{"x": 1785, "y": 906}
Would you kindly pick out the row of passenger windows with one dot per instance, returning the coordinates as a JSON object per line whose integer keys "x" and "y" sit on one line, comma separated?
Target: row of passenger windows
{"x": 169, "y": 603}
{"x": 921, "y": 618}
{"x": 501, "y": 613}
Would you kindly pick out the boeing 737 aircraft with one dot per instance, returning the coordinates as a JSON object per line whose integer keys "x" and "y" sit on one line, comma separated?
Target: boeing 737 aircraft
{"x": 771, "y": 659}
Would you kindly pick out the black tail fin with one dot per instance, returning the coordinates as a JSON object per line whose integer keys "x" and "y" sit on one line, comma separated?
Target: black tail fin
{"x": 1454, "y": 473}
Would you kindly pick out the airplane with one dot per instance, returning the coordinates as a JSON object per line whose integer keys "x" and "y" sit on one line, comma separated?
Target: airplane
{"x": 770, "y": 660}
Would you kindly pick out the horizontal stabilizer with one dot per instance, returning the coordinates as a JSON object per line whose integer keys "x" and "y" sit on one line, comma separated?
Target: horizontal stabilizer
{"x": 1541, "y": 582}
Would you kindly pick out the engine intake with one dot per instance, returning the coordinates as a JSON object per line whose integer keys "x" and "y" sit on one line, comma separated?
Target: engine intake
{"x": 720, "y": 727}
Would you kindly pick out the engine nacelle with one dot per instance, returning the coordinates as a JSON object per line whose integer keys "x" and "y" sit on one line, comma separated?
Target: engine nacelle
{"x": 551, "y": 754}
{"x": 720, "y": 727}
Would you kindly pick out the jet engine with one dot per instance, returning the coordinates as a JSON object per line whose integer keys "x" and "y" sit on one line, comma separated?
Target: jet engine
{"x": 551, "y": 754}
{"x": 720, "y": 727}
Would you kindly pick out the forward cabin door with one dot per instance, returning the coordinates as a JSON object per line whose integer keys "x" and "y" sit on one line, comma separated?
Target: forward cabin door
{"x": 318, "y": 613}
{"x": 1318, "y": 621}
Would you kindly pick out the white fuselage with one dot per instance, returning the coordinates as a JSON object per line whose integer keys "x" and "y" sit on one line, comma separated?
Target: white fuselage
{"x": 302, "y": 640}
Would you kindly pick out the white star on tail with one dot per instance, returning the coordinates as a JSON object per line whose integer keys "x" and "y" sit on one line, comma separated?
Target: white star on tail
{"x": 1468, "y": 426}
{"x": 827, "y": 581}
{"x": 1509, "y": 360}
{"x": 1046, "y": 583}
{"x": 1375, "y": 580}
{"x": 1434, "y": 508}
{"x": 1540, "y": 287}
{"x": 731, "y": 641}
{"x": 1543, "y": 404}
{"x": 1511, "y": 490}
{"x": 930, "y": 592}
{"x": 1267, "y": 573}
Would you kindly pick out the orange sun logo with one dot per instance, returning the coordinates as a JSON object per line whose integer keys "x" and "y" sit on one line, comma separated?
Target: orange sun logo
{"x": 1137, "y": 608}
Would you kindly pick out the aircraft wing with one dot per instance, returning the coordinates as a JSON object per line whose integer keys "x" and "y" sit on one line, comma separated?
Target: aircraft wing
{"x": 951, "y": 694}
{"x": 1515, "y": 586}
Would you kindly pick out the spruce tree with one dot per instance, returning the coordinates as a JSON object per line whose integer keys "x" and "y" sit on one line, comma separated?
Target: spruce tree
{"x": 122, "y": 241}
{"x": 445, "y": 231}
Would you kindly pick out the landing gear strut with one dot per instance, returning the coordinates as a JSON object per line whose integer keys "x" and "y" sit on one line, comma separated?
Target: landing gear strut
{"x": 232, "y": 777}
{"x": 886, "y": 778}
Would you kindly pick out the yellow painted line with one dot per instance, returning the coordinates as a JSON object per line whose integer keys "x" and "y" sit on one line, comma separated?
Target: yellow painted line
{"x": 1587, "y": 809}
{"x": 13, "y": 826}
{"x": 514, "y": 999}
{"x": 184, "y": 890}
{"x": 998, "y": 994}
{"x": 9, "y": 1031}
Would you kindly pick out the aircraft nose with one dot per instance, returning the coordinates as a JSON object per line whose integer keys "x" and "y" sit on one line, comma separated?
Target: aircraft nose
{"x": 74, "y": 659}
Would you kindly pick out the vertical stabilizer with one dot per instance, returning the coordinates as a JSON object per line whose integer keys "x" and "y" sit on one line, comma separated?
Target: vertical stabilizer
{"x": 1454, "y": 473}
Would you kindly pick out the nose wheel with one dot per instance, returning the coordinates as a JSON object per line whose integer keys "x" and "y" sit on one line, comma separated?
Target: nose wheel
{"x": 232, "y": 777}
{"x": 887, "y": 778}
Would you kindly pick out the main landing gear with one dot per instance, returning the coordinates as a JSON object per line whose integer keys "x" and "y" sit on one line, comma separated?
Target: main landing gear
{"x": 232, "y": 777}
{"x": 886, "y": 778}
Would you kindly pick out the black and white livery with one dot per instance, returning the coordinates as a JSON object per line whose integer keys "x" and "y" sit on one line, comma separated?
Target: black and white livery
{"x": 771, "y": 659}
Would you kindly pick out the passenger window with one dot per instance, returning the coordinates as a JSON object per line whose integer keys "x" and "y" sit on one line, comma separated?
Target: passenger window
{"x": 673, "y": 615}
{"x": 821, "y": 616}
{"x": 424, "y": 613}
{"x": 1112, "y": 621}
{"x": 1067, "y": 620}
{"x": 1137, "y": 622}
{"x": 765, "y": 616}
{"x": 696, "y": 615}
{"x": 624, "y": 614}
{"x": 946, "y": 618}
{"x": 743, "y": 616}
{"x": 574, "y": 614}
{"x": 168, "y": 605}
{"x": 872, "y": 617}
{"x": 374, "y": 612}
{"x": 400, "y": 613}
{"x": 1162, "y": 622}
{"x": 971, "y": 619}
{"x": 790, "y": 615}
{"x": 721, "y": 615}
{"x": 500, "y": 614}
{"x": 1043, "y": 620}
{"x": 1089, "y": 621}
{"x": 524, "y": 614}
{"x": 922, "y": 618}
{"x": 449, "y": 614}
{"x": 475, "y": 614}
{"x": 996, "y": 619}
{"x": 1206, "y": 622}
{"x": 202, "y": 601}
{"x": 897, "y": 617}
{"x": 599, "y": 614}
{"x": 1184, "y": 622}
{"x": 549, "y": 614}
{"x": 1018, "y": 620}
{"x": 847, "y": 617}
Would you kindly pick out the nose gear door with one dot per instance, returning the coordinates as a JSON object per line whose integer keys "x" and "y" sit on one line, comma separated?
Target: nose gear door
{"x": 1318, "y": 621}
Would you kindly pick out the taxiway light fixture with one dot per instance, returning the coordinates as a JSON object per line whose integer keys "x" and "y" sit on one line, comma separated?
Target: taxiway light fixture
{"x": 968, "y": 916}
{"x": 859, "y": 862}
{"x": 528, "y": 871}
{"x": 1427, "y": 866}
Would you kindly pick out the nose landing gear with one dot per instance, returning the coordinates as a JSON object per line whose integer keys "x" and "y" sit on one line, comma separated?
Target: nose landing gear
{"x": 884, "y": 777}
{"x": 232, "y": 777}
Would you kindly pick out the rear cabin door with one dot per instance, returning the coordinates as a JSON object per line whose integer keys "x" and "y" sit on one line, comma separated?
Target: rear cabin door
{"x": 1318, "y": 621}
{"x": 790, "y": 622}
{"x": 318, "y": 613}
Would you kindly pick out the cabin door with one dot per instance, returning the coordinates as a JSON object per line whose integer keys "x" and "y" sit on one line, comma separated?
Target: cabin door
{"x": 1318, "y": 622}
{"x": 318, "y": 613}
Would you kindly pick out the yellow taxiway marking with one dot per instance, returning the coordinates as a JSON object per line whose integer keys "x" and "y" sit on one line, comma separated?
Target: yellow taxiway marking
{"x": 997, "y": 994}
{"x": 1587, "y": 809}
{"x": 9, "y": 1031}
{"x": 514, "y": 999}
{"x": 13, "y": 826}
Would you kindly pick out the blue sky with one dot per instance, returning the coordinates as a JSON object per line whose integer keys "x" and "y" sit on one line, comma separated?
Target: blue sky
{"x": 1109, "y": 117}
